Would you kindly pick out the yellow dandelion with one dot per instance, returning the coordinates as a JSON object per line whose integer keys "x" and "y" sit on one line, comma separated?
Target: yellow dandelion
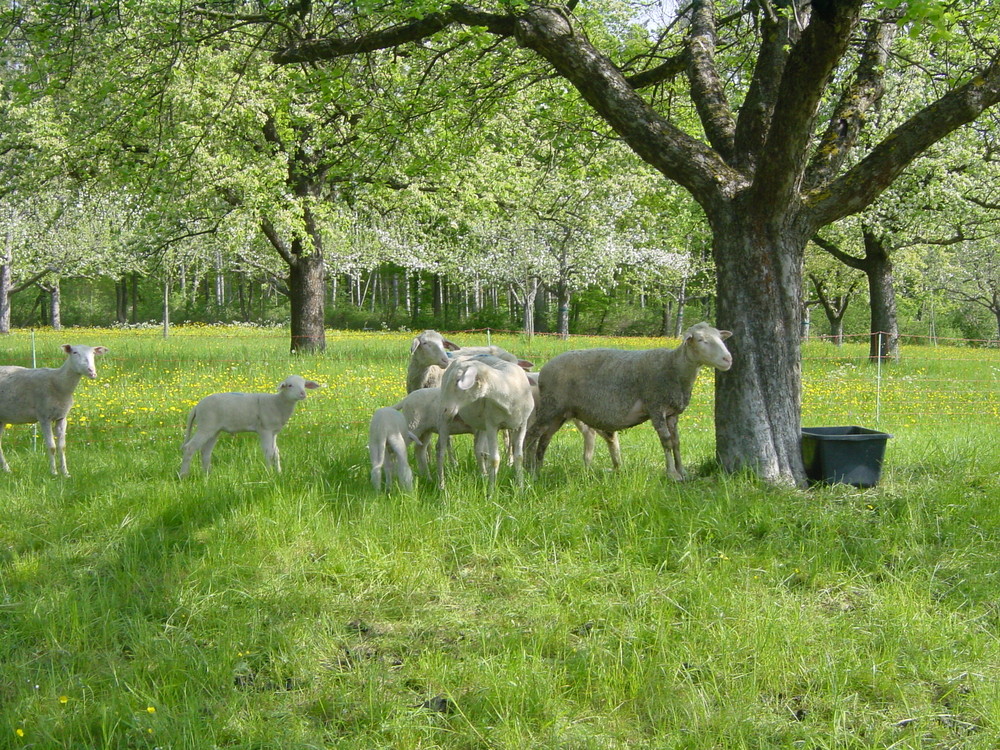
{"x": 151, "y": 709}
{"x": 64, "y": 699}
{"x": 19, "y": 732}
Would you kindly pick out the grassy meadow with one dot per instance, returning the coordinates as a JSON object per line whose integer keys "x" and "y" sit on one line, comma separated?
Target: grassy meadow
{"x": 589, "y": 609}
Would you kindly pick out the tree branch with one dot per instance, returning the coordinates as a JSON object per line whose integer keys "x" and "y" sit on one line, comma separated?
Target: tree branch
{"x": 845, "y": 258}
{"x": 857, "y": 101}
{"x": 707, "y": 88}
{"x": 395, "y": 36}
{"x": 810, "y": 64}
{"x": 859, "y": 187}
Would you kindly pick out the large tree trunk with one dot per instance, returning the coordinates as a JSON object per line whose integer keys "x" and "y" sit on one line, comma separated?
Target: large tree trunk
{"x": 306, "y": 291}
{"x": 758, "y": 401}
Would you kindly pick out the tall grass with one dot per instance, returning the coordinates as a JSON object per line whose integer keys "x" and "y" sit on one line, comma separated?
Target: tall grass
{"x": 589, "y": 609}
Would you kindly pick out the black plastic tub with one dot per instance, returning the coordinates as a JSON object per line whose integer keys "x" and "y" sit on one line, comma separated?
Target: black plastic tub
{"x": 843, "y": 455}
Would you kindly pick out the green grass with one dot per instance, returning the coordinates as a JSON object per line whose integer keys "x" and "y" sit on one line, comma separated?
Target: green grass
{"x": 589, "y": 610}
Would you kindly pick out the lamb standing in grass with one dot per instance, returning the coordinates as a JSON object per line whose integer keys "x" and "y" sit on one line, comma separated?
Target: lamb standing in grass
{"x": 612, "y": 389}
{"x": 263, "y": 413}
{"x": 387, "y": 438}
{"x": 488, "y": 394}
{"x": 422, "y": 410}
{"x": 45, "y": 395}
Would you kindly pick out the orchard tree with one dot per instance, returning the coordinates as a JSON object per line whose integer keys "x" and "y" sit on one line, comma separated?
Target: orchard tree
{"x": 781, "y": 92}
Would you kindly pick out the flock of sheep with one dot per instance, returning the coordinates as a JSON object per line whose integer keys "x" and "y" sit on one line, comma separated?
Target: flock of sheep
{"x": 451, "y": 390}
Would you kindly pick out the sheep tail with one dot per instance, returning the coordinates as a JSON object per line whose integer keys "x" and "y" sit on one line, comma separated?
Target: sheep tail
{"x": 190, "y": 424}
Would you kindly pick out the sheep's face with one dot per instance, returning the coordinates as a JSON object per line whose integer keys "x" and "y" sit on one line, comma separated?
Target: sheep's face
{"x": 430, "y": 348}
{"x": 294, "y": 387}
{"x": 707, "y": 348}
{"x": 81, "y": 358}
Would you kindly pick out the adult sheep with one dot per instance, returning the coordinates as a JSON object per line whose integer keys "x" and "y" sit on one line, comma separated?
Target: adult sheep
{"x": 45, "y": 395}
{"x": 431, "y": 353}
{"x": 613, "y": 389}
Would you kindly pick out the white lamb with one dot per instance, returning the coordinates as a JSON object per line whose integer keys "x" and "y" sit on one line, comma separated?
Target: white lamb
{"x": 263, "y": 413}
{"x": 488, "y": 394}
{"x": 45, "y": 395}
{"x": 422, "y": 410}
{"x": 387, "y": 438}
{"x": 611, "y": 390}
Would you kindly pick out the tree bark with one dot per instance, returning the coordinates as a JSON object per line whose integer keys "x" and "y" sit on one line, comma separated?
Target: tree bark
{"x": 307, "y": 287}
{"x": 758, "y": 403}
{"x": 55, "y": 304}
{"x": 5, "y": 292}
{"x": 877, "y": 266}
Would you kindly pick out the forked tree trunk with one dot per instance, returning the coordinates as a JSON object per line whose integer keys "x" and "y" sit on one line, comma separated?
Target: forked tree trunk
{"x": 758, "y": 401}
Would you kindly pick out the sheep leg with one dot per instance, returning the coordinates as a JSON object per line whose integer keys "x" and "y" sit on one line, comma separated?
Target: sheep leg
{"x": 443, "y": 445}
{"x": 206, "y": 452}
{"x": 60, "y": 438}
{"x": 50, "y": 445}
{"x": 666, "y": 428}
{"x": 376, "y": 452}
{"x": 187, "y": 451}
{"x": 269, "y": 446}
{"x": 589, "y": 441}
{"x": 676, "y": 444}
{"x": 3, "y": 460}
{"x": 420, "y": 454}
{"x": 401, "y": 466}
{"x": 614, "y": 450}
{"x": 482, "y": 451}
{"x": 491, "y": 454}
{"x": 517, "y": 449}
{"x": 545, "y": 432}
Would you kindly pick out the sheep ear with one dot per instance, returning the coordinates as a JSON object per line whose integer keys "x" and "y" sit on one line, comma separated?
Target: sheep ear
{"x": 450, "y": 345}
{"x": 525, "y": 364}
{"x": 99, "y": 350}
{"x": 415, "y": 343}
{"x": 468, "y": 378}
{"x": 725, "y": 334}
{"x": 67, "y": 348}
{"x": 311, "y": 384}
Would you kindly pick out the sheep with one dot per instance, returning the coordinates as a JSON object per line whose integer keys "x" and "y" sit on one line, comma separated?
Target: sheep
{"x": 45, "y": 395}
{"x": 488, "y": 394}
{"x": 431, "y": 353}
{"x": 263, "y": 413}
{"x": 388, "y": 435}
{"x": 422, "y": 410}
{"x": 611, "y": 389}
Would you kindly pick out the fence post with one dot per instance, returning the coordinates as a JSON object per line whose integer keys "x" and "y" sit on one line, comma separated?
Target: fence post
{"x": 878, "y": 384}
{"x": 34, "y": 364}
